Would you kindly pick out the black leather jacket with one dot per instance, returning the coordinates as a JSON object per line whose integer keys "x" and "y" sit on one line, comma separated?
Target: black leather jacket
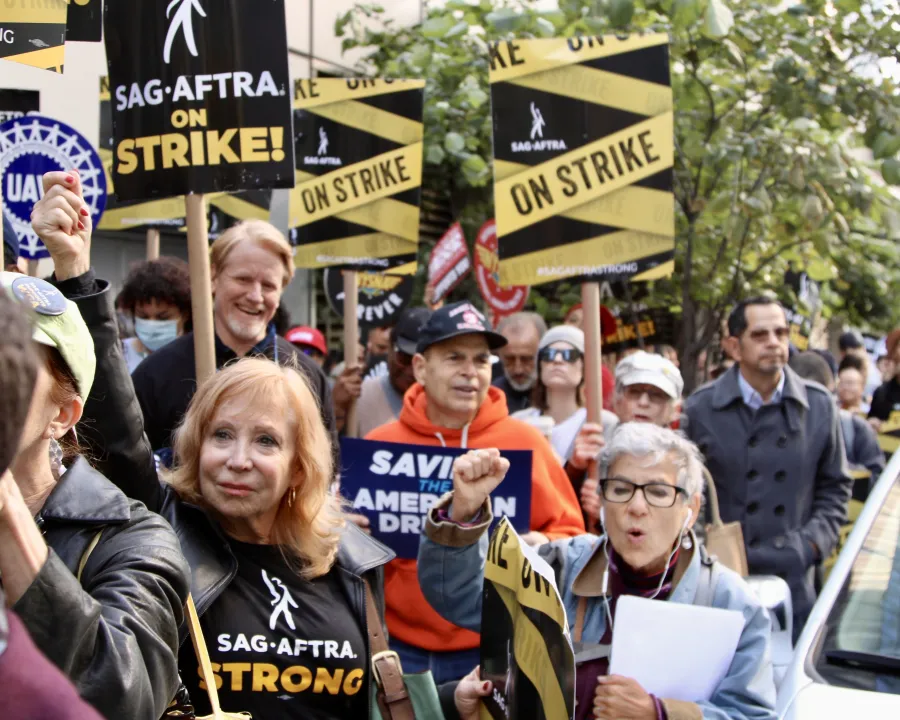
{"x": 115, "y": 633}
{"x": 113, "y": 427}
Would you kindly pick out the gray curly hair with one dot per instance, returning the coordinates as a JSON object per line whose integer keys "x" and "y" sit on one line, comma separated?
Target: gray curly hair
{"x": 646, "y": 439}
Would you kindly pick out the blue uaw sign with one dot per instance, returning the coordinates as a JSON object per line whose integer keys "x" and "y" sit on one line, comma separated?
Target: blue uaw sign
{"x": 31, "y": 146}
{"x": 395, "y": 485}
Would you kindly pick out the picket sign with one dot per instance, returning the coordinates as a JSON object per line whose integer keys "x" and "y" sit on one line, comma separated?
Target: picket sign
{"x": 593, "y": 387}
{"x": 152, "y": 243}
{"x": 201, "y": 287}
{"x": 351, "y": 341}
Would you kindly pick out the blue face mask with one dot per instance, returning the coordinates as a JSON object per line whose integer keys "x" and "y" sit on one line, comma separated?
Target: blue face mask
{"x": 155, "y": 333}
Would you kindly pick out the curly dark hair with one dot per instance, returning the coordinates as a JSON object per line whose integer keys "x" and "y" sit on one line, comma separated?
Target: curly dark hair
{"x": 18, "y": 373}
{"x": 166, "y": 279}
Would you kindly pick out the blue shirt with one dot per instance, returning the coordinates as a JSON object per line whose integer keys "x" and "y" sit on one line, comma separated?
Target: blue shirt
{"x": 753, "y": 399}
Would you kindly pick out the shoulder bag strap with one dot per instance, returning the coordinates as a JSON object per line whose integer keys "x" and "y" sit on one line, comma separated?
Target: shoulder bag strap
{"x": 579, "y": 619}
{"x": 193, "y": 621}
{"x": 387, "y": 672}
{"x": 87, "y": 555}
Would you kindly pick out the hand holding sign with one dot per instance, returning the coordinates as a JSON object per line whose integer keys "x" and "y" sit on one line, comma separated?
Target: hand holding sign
{"x": 475, "y": 475}
{"x": 62, "y": 220}
{"x": 588, "y": 444}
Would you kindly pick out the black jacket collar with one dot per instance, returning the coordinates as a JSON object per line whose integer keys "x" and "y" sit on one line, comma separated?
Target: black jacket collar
{"x": 358, "y": 553}
{"x": 84, "y": 495}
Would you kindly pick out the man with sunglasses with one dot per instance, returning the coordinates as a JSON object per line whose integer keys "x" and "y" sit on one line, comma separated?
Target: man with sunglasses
{"x": 772, "y": 442}
{"x": 381, "y": 397}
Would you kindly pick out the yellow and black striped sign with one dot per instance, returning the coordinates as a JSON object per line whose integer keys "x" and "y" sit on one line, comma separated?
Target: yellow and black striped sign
{"x": 34, "y": 33}
{"x": 583, "y": 155}
{"x": 358, "y": 145}
{"x": 526, "y": 651}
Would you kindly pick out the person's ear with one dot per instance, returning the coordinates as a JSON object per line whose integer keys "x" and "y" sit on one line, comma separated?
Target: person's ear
{"x": 694, "y": 506}
{"x": 732, "y": 346}
{"x": 418, "y": 364}
{"x": 67, "y": 418}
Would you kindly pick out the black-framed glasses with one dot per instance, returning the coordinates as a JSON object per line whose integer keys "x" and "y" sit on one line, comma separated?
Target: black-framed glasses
{"x": 620, "y": 490}
{"x": 568, "y": 355}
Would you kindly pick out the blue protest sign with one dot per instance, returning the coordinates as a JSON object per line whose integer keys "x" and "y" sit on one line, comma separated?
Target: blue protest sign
{"x": 394, "y": 485}
{"x": 31, "y": 146}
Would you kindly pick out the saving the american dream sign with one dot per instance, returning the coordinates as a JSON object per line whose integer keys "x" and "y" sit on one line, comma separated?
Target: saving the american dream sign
{"x": 395, "y": 485}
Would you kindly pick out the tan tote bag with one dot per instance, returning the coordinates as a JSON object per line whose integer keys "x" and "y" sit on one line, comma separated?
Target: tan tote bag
{"x": 724, "y": 540}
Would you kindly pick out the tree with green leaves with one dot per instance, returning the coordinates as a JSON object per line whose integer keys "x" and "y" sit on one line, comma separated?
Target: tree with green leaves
{"x": 787, "y": 130}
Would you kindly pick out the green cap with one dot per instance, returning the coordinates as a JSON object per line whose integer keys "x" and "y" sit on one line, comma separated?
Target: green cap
{"x": 57, "y": 324}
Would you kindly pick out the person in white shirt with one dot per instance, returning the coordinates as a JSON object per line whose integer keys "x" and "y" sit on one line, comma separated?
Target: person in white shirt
{"x": 559, "y": 389}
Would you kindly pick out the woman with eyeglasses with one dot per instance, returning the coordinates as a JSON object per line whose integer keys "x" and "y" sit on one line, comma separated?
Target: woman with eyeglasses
{"x": 650, "y": 499}
{"x": 558, "y": 393}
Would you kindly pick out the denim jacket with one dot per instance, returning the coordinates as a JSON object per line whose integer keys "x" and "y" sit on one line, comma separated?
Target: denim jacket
{"x": 451, "y": 574}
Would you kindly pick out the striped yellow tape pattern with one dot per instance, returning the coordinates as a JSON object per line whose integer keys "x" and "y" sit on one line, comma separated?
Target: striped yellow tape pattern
{"x": 359, "y": 172}
{"x": 589, "y": 193}
{"x": 518, "y": 586}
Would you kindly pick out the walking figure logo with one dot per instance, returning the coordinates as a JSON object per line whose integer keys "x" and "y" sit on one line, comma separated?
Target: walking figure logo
{"x": 323, "y": 142}
{"x": 537, "y": 122}
{"x": 183, "y": 18}
{"x": 281, "y": 601}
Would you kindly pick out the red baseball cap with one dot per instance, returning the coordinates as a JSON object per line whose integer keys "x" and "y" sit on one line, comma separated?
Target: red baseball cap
{"x": 307, "y": 336}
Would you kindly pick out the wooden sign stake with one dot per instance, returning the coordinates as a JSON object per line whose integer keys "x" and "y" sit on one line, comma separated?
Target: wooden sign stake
{"x": 152, "y": 243}
{"x": 201, "y": 287}
{"x": 593, "y": 385}
{"x": 351, "y": 341}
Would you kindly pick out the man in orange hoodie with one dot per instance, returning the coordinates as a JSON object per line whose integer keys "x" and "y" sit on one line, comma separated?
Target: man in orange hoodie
{"x": 453, "y": 404}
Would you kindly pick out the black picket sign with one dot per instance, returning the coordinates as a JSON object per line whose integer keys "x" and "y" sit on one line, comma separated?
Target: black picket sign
{"x": 16, "y": 103}
{"x": 200, "y": 96}
{"x": 84, "y": 22}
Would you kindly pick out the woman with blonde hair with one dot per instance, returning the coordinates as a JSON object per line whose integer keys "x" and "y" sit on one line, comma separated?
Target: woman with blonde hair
{"x": 290, "y": 597}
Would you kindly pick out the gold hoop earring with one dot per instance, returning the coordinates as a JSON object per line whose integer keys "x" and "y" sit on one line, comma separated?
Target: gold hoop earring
{"x": 292, "y": 496}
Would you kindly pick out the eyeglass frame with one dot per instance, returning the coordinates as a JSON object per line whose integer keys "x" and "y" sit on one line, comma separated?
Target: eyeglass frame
{"x": 636, "y": 486}
{"x": 554, "y": 352}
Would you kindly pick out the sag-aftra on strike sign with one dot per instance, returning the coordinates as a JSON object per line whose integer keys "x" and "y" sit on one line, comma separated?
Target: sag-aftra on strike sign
{"x": 200, "y": 96}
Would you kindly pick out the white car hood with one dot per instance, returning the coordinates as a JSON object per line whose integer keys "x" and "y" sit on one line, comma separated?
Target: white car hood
{"x": 828, "y": 701}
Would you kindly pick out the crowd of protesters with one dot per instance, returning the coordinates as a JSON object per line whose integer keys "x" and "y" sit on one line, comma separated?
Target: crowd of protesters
{"x": 124, "y": 487}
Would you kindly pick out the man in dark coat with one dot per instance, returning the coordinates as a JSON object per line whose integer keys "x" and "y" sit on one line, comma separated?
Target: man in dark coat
{"x": 773, "y": 444}
{"x": 251, "y": 265}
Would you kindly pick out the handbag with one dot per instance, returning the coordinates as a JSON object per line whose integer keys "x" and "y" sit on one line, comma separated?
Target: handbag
{"x": 396, "y": 696}
{"x": 724, "y": 540}
{"x": 206, "y": 668}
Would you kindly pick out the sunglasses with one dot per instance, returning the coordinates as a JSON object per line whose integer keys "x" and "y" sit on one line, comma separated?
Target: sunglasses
{"x": 569, "y": 355}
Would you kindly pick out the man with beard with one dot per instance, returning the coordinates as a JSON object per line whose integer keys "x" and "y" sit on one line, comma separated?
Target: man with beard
{"x": 381, "y": 397}
{"x": 772, "y": 442}
{"x": 523, "y": 332}
{"x": 251, "y": 265}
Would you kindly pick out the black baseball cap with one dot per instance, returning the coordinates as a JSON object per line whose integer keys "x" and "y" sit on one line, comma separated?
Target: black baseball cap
{"x": 461, "y": 318}
{"x": 850, "y": 340}
{"x": 405, "y": 333}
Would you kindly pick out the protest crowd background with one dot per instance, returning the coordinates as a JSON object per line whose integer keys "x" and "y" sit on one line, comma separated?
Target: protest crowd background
{"x": 492, "y": 360}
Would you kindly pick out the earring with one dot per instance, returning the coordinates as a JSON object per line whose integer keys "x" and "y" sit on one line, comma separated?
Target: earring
{"x": 56, "y": 458}
{"x": 292, "y": 496}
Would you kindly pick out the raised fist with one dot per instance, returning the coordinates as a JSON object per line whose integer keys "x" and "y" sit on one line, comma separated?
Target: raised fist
{"x": 475, "y": 475}
{"x": 62, "y": 220}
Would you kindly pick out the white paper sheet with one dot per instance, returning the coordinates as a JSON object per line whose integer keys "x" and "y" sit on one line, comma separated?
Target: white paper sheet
{"x": 675, "y": 651}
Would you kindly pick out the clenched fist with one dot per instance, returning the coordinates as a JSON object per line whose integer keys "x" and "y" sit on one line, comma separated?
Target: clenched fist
{"x": 475, "y": 475}
{"x": 588, "y": 444}
{"x": 62, "y": 220}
